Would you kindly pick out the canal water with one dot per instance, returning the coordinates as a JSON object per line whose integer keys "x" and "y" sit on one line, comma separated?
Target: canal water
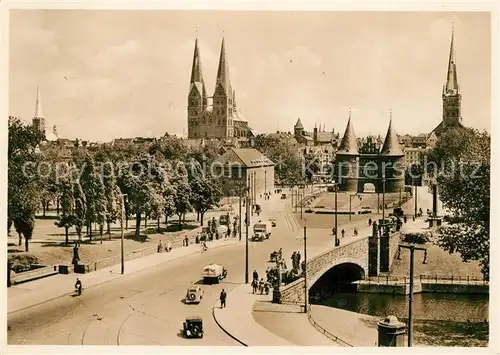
{"x": 439, "y": 319}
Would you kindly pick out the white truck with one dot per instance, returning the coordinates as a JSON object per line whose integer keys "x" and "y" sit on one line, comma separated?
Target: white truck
{"x": 213, "y": 273}
{"x": 263, "y": 228}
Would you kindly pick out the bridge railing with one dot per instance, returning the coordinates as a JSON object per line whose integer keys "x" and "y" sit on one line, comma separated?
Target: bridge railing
{"x": 320, "y": 328}
{"x": 453, "y": 279}
{"x": 426, "y": 278}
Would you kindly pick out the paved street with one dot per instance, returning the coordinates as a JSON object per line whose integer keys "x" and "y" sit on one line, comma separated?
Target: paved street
{"x": 146, "y": 307}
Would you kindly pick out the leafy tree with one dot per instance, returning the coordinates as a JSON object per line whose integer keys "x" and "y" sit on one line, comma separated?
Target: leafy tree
{"x": 205, "y": 194}
{"x": 66, "y": 219}
{"x": 311, "y": 166}
{"x": 140, "y": 181}
{"x": 182, "y": 192}
{"x": 80, "y": 211}
{"x": 23, "y": 181}
{"x": 112, "y": 194}
{"x": 461, "y": 166}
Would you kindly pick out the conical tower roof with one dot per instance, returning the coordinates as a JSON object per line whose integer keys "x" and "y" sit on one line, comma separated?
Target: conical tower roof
{"x": 196, "y": 72}
{"x": 391, "y": 144}
{"x": 451, "y": 86}
{"x": 223, "y": 71}
{"x": 349, "y": 143}
{"x": 38, "y": 104}
{"x": 299, "y": 124}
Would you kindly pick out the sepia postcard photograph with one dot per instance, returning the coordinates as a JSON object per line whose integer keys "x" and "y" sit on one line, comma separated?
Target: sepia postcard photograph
{"x": 229, "y": 177}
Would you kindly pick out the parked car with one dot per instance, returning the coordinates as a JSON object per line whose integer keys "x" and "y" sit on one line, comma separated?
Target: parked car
{"x": 273, "y": 222}
{"x": 193, "y": 327}
{"x": 283, "y": 196}
{"x": 194, "y": 294}
{"x": 214, "y": 273}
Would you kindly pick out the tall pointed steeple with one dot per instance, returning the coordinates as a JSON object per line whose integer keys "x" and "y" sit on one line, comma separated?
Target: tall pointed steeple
{"x": 38, "y": 104}
{"x": 234, "y": 98}
{"x": 451, "y": 86}
{"x": 349, "y": 143}
{"x": 223, "y": 72}
{"x": 196, "y": 71}
{"x": 391, "y": 143}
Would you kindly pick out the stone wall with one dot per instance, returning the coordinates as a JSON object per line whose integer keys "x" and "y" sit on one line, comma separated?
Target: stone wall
{"x": 455, "y": 288}
{"x": 394, "y": 240}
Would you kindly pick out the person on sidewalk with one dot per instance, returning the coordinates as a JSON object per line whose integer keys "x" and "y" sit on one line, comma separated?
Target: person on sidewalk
{"x": 186, "y": 241}
{"x": 254, "y": 286}
{"x": 223, "y": 297}
{"x": 369, "y": 222}
{"x": 297, "y": 256}
{"x": 78, "y": 286}
{"x": 160, "y": 247}
{"x": 168, "y": 247}
{"x": 343, "y": 233}
{"x": 355, "y": 232}
{"x": 255, "y": 275}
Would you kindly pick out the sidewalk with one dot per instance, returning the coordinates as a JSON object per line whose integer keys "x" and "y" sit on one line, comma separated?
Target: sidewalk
{"x": 236, "y": 319}
{"x": 43, "y": 290}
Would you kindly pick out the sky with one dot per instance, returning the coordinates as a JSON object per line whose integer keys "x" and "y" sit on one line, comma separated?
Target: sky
{"x": 106, "y": 74}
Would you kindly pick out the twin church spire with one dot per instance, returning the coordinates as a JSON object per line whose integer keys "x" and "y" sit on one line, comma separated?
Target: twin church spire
{"x": 223, "y": 82}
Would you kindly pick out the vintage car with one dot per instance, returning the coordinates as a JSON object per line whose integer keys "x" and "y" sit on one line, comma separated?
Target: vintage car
{"x": 283, "y": 196}
{"x": 193, "y": 327}
{"x": 258, "y": 237}
{"x": 194, "y": 294}
{"x": 213, "y": 273}
{"x": 273, "y": 222}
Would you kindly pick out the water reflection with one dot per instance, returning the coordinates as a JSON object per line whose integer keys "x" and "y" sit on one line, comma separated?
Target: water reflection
{"x": 440, "y": 319}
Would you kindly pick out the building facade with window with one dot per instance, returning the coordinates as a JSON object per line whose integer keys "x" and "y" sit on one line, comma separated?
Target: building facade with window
{"x": 245, "y": 167}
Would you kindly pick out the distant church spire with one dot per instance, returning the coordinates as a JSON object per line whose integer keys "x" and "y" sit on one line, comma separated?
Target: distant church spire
{"x": 38, "y": 104}
{"x": 451, "y": 86}
{"x": 196, "y": 72}
{"x": 223, "y": 71}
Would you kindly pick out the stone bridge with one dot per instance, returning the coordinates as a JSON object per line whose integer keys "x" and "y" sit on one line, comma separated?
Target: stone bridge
{"x": 372, "y": 255}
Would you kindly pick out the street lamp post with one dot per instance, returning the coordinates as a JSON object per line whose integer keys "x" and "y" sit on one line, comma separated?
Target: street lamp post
{"x": 412, "y": 249}
{"x": 400, "y": 197}
{"x": 306, "y": 292}
{"x": 247, "y": 219}
{"x": 265, "y": 180}
{"x": 383, "y": 201}
{"x": 122, "y": 234}
{"x": 416, "y": 204}
{"x": 240, "y": 192}
{"x": 350, "y": 203}
{"x": 335, "y": 187}
{"x": 301, "y": 202}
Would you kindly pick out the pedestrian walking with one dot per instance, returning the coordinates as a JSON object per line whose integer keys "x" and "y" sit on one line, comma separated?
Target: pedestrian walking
{"x": 297, "y": 256}
{"x": 294, "y": 259}
{"x": 369, "y": 222}
{"x": 355, "y": 232}
{"x": 168, "y": 248}
{"x": 255, "y": 275}
{"x": 160, "y": 247}
{"x": 223, "y": 297}
{"x": 343, "y": 233}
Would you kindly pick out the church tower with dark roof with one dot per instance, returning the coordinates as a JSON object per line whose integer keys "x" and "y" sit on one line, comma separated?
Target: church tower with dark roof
{"x": 347, "y": 160}
{"x": 197, "y": 97}
{"x": 452, "y": 99}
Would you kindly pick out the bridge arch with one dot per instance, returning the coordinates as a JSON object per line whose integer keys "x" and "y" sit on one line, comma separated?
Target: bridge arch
{"x": 337, "y": 277}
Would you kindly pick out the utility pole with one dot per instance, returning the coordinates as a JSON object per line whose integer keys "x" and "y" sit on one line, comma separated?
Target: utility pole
{"x": 240, "y": 190}
{"x": 251, "y": 187}
{"x": 296, "y": 199}
{"x": 400, "y": 197}
{"x": 412, "y": 249}
{"x": 265, "y": 180}
{"x": 335, "y": 186}
{"x": 301, "y": 203}
{"x": 306, "y": 291}
{"x": 122, "y": 235}
{"x": 247, "y": 228}
{"x": 416, "y": 200}
{"x": 383, "y": 201}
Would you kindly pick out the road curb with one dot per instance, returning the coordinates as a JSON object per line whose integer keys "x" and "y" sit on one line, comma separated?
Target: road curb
{"x": 223, "y": 329}
{"x": 131, "y": 273}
